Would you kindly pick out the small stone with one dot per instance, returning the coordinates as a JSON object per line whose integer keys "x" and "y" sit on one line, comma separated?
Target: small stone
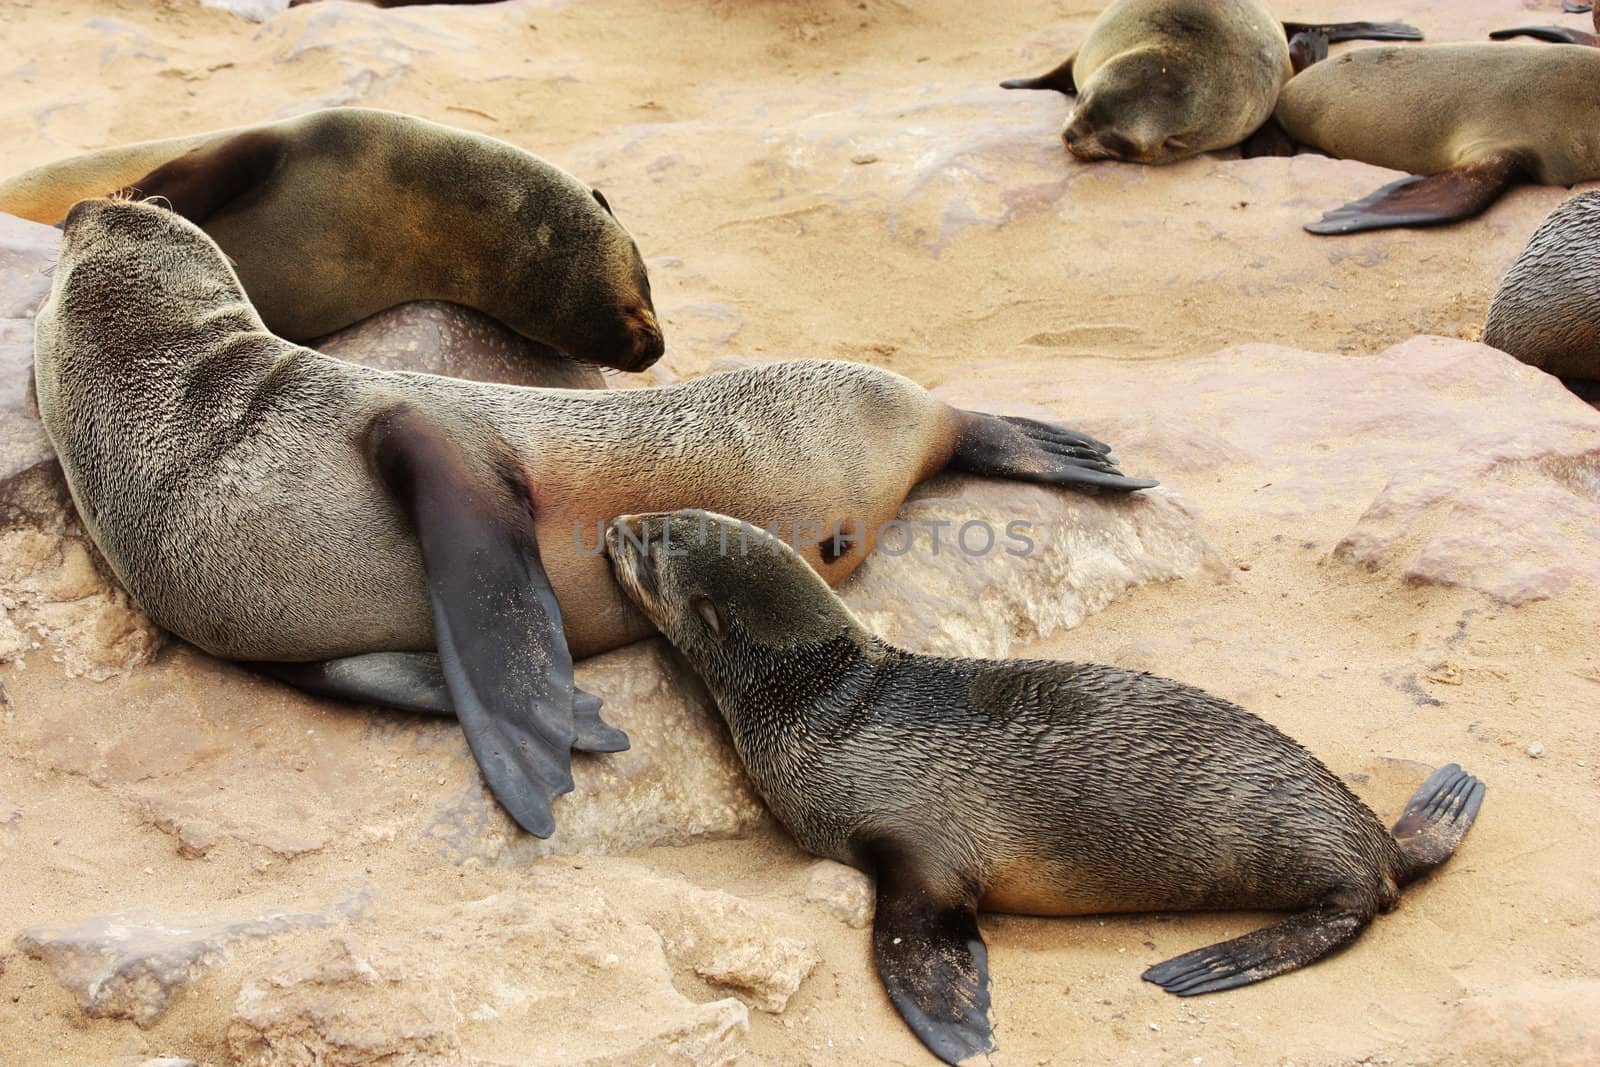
{"x": 1536, "y": 750}
{"x": 844, "y": 891}
{"x": 861, "y": 159}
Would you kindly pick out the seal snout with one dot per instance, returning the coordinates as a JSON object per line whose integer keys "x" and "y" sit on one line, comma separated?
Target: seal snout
{"x": 644, "y": 332}
{"x": 628, "y": 540}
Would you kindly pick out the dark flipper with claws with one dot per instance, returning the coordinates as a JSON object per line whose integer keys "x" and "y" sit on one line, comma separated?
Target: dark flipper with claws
{"x": 496, "y": 619}
{"x": 1261, "y": 954}
{"x": 1355, "y": 31}
{"x": 933, "y": 962}
{"x": 414, "y": 681}
{"x": 1008, "y": 446}
{"x": 1059, "y": 79}
{"x": 1437, "y": 817}
{"x": 1449, "y": 196}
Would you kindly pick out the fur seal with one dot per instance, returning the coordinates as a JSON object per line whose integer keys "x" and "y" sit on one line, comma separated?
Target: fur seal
{"x": 1547, "y": 309}
{"x": 1037, "y": 788}
{"x": 1465, "y": 120}
{"x": 421, "y": 541}
{"x": 389, "y": 208}
{"x": 1162, "y": 80}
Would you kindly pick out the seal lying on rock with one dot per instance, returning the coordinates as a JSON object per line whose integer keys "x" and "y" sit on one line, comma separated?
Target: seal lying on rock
{"x": 1162, "y": 80}
{"x": 1547, "y": 309}
{"x": 1032, "y": 787}
{"x": 269, "y": 503}
{"x": 385, "y": 208}
{"x": 1466, "y": 120}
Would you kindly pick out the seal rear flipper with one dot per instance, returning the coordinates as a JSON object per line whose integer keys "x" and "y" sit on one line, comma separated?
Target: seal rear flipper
{"x": 496, "y": 620}
{"x": 1553, "y": 34}
{"x": 1260, "y": 954}
{"x": 1449, "y": 196}
{"x": 205, "y": 180}
{"x": 1435, "y": 820}
{"x": 1060, "y": 79}
{"x": 1008, "y": 446}
{"x": 414, "y": 681}
{"x": 1355, "y": 31}
{"x": 933, "y": 962}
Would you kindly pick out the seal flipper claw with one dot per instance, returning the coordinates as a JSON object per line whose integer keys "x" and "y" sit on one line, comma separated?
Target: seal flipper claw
{"x": 496, "y": 619}
{"x": 1260, "y": 954}
{"x": 1451, "y": 195}
{"x": 1008, "y": 446}
{"x": 933, "y": 963}
{"x": 594, "y": 734}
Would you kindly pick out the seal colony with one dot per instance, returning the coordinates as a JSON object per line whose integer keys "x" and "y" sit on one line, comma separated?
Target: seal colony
{"x": 1038, "y": 788}
{"x": 268, "y": 503}
{"x": 1158, "y": 81}
{"x": 390, "y": 208}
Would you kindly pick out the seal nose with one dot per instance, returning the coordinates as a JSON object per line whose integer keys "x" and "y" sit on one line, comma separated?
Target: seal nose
{"x": 648, "y": 344}
{"x": 1069, "y": 136}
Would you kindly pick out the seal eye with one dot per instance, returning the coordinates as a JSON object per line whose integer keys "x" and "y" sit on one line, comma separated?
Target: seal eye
{"x": 600, "y": 199}
{"x": 709, "y": 614}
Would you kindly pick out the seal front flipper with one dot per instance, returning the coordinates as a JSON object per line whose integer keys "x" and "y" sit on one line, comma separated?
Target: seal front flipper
{"x": 1008, "y": 446}
{"x": 1438, "y": 815}
{"x": 414, "y": 681}
{"x": 495, "y": 617}
{"x": 1059, "y": 79}
{"x": 1262, "y": 954}
{"x": 203, "y": 181}
{"x": 1449, "y": 196}
{"x": 932, "y": 960}
{"x": 1355, "y": 31}
{"x": 1553, "y": 34}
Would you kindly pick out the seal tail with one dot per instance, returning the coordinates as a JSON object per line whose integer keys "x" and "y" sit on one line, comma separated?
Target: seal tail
{"x": 1356, "y": 31}
{"x": 1436, "y": 819}
{"x": 45, "y": 193}
{"x": 1059, "y": 79}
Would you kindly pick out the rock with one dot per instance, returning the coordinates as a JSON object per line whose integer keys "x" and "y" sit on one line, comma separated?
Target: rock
{"x": 469, "y": 984}
{"x": 982, "y": 565}
{"x": 254, "y": 10}
{"x": 1552, "y": 1023}
{"x": 1536, "y": 750}
{"x": 844, "y": 891}
{"x": 27, "y": 254}
{"x": 131, "y": 966}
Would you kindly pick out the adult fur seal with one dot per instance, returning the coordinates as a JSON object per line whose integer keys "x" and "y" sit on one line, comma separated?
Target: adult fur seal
{"x": 1465, "y": 120}
{"x": 269, "y": 503}
{"x": 1547, "y": 309}
{"x": 1162, "y": 80}
{"x": 1031, "y": 787}
{"x": 386, "y": 208}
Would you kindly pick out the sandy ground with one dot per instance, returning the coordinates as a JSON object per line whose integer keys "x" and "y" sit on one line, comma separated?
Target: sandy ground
{"x": 819, "y": 178}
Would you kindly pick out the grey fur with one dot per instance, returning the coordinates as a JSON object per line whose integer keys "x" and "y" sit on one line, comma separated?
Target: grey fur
{"x": 1547, "y": 309}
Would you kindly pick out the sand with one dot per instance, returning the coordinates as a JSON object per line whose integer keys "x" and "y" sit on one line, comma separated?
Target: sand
{"x": 830, "y": 178}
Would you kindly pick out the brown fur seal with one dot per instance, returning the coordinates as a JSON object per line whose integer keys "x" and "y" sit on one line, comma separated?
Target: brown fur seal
{"x": 269, "y": 503}
{"x": 1466, "y": 120}
{"x": 386, "y": 208}
{"x": 1029, "y": 787}
{"x": 1547, "y": 309}
{"x": 1162, "y": 80}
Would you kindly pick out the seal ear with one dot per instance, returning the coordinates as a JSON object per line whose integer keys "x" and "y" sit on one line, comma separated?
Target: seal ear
{"x": 711, "y": 615}
{"x": 201, "y": 183}
{"x": 601, "y": 200}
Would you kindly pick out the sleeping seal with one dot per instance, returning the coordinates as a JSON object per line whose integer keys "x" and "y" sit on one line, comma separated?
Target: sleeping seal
{"x": 385, "y": 208}
{"x": 1030, "y": 787}
{"x": 1162, "y": 80}
{"x": 342, "y": 523}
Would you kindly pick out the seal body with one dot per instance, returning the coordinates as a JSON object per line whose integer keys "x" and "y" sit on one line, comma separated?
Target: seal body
{"x": 1035, "y": 787}
{"x": 1468, "y": 119}
{"x": 1547, "y": 309}
{"x": 269, "y": 503}
{"x": 389, "y": 208}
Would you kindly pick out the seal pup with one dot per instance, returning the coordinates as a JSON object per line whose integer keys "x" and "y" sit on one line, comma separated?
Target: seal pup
{"x": 1162, "y": 80}
{"x": 413, "y": 540}
{"x": 387, "y": 208}
{"x": 1547, "y": 309}
{"x": 1038, "y": 788}
{"x": 1467, "y": 121}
